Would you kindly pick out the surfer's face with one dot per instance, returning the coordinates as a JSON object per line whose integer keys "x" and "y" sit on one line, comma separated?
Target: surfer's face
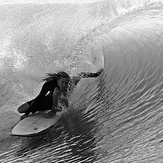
{"x": 63, "y": 83}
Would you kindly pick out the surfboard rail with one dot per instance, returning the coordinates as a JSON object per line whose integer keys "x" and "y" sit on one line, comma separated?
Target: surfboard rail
{"x": 34, "y": 124}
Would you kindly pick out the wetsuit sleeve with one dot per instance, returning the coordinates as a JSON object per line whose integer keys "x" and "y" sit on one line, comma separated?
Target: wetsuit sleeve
{"x": 89, "y": 74}
{"x": 76, "y": 79}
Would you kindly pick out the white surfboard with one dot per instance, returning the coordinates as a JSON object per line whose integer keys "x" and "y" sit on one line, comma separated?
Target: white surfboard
{"x": 34, "y": 124}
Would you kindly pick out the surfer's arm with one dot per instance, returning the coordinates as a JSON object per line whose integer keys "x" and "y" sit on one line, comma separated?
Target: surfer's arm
{"x": 89, "y": 74}
{"x": 76, "y": 79}
{"x": 56, "y": 94}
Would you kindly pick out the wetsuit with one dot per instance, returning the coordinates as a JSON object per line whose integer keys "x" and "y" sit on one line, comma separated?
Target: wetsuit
{"x": 44, "y": 100}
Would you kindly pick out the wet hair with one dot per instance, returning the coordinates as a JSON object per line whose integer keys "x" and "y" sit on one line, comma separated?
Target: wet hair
{"x": 54, "y": 76}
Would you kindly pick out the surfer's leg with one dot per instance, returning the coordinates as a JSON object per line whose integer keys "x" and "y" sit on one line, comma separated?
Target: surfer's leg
{"x": 23, "y": 108}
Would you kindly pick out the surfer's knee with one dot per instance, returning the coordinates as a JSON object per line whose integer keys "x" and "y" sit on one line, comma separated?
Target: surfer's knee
{"x": 23, "y": 108}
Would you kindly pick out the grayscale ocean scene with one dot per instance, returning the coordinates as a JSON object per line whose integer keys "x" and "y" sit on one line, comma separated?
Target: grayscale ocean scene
{"x": 114, "y": 118}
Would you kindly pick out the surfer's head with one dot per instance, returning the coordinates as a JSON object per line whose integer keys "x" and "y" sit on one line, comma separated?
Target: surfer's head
{"x": 62, "y": 74}
{"x": 63, "y": 80}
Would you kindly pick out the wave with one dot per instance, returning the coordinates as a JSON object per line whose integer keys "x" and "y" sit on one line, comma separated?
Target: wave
{"x": 115, "y": 117}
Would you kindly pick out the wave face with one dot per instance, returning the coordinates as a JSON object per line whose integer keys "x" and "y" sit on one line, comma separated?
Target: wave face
{"x": 116, "y": 117}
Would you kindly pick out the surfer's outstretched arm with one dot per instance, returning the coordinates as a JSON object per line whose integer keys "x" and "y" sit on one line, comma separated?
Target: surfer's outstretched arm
{"x": 75, "y": 79}
{"x": 89, "y": 74}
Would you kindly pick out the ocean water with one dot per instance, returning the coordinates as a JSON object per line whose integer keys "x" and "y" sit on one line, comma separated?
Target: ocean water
{"x": 115, "y": 118}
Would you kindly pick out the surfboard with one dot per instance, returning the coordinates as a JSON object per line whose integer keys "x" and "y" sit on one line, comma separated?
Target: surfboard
{"x": 35, "y": 124}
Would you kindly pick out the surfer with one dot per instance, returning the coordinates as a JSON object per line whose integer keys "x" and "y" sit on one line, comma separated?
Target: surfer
{"x": 54, "y": 88}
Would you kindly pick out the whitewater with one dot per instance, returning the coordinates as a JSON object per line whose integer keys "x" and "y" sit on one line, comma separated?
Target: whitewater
{"x": 115, "y": 118}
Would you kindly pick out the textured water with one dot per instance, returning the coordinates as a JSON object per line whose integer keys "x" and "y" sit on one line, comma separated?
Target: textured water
{"x": 115, "y": 118}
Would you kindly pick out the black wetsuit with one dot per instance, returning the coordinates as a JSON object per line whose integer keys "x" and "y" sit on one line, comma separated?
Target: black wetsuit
{"x": 44, "y": 100}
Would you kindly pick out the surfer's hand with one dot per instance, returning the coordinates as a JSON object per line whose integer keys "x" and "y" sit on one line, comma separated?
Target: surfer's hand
{"x": 50, "y": 114}
{"x": 23, "y": 116}
{"x": 100, "y": 71}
